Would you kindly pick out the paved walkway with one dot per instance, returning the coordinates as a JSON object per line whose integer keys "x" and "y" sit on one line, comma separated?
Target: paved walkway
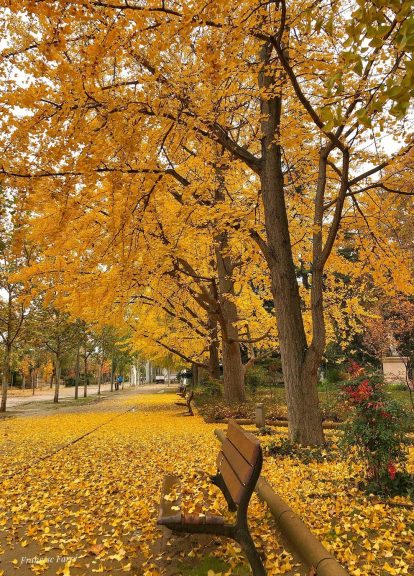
{"x": 48, "y": 394}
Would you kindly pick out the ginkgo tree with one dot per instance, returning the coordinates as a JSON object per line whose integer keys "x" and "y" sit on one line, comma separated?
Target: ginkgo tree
{"x": 16, "y": 305}
{"x": 123, "y": 101}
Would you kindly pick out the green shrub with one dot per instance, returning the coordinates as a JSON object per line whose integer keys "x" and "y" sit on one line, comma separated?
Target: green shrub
{"x": 70, "y": 381}
{"x": 265, "y": 431}
{"x": 325, "y": 385}
{"x": 375, "y": 429}
{"x": 397, "y": 386}
{"x": 211, "y": 387}
{"x": 402, "y": 484}
{"x": 255, "y": 377}
{"x": 333, "y": 408}
{"x": 334, "y": 375}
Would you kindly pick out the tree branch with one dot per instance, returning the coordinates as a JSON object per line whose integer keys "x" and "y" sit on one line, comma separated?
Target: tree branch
{"x": 251, "y": 340}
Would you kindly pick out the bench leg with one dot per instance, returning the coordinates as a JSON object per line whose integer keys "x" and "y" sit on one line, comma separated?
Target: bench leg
{"x": 229, "y": 531}
{"x": 246, "y": 542}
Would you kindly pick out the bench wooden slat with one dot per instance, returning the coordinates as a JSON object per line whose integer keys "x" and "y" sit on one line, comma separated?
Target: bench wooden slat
{"x": 233, "y": 484}
{"x": 166, "y": 514}
{"x": 194, "y": 519}
{"x": 241, "y": 467}
{"x": 247, "y": 444}
{"x": 214, "y": 519}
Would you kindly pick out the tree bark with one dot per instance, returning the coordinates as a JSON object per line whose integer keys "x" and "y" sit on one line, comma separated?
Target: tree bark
{"x": 99, "y": 379}
{"x": 194, "y": 369}
{"x": 213, "y": 349}
{"x": 5, "y": 381}
{"x": 57, "y": 385}
{"x": 85, "y": 386}
{"x": 299, "y": 371}
{"x": 77, "y": 373}
{"x": 52, "y": 376}
{"x": 233, "y": 372}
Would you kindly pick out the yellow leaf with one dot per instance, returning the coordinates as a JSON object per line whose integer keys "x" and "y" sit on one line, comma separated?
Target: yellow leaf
{"x": 389, "y": 568}
{"x": 118, "y": 557}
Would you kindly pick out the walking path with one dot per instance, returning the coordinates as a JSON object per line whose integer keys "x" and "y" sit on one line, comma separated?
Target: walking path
{"x": 45, "y": 394}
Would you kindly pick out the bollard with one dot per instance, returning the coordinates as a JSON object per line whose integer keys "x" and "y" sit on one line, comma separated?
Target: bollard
{"x": 260, "y": 415}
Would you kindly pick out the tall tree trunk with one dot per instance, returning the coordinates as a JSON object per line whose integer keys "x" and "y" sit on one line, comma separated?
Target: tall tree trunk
{"x": 5, "y": 381}
{"x": 57, "y": 385}
{"x": 99, "y": 379}
{"x": 112, "y": 374}
{"x": 77, "y": 372}
{"x": 32, "y": 376}
{"x": 300, "y": 375}
{"x": 233, "y": 372}
{"x": 52, "y": 376}
{"x": 194, "y": 369}
{"x": 85, "y": 386}
{"x": 213, "y": 349}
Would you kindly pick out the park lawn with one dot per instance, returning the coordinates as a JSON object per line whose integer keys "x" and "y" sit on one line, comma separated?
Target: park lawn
{"x": 96, "y": 500}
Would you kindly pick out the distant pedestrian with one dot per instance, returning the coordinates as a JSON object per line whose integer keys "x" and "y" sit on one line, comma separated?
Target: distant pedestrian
{"x": 120, "y": 380}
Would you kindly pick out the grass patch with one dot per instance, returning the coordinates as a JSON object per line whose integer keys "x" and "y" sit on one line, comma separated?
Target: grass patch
{"x": 202, "y": 566}
{"x": 50, "y": 405}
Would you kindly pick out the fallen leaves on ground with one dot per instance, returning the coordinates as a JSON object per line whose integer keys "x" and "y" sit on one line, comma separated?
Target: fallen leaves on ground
{"x": 92, "y": 507}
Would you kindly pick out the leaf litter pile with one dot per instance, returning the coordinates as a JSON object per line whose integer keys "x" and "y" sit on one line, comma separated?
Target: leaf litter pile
{"x": 75, "y": 508}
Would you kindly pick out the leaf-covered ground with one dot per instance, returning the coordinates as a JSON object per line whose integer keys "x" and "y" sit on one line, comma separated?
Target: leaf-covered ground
{"x": 91, "y": 506}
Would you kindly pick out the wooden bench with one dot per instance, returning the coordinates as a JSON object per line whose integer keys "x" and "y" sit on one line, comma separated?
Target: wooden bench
{"x": 187, "y": 403}
{"x": 182, "y": 391}
{"x": 239, "y": 464}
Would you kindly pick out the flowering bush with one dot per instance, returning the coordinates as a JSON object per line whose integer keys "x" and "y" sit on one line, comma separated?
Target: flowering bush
{"x": 374, "y": 429}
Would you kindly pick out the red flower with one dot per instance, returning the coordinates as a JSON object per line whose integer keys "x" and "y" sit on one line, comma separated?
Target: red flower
{"x": 391, "y": 469}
